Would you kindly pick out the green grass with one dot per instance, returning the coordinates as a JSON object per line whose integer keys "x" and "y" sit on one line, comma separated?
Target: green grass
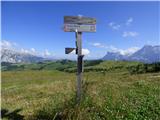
{"x": 50, "y": 94}
{"x": 91, "y": 65}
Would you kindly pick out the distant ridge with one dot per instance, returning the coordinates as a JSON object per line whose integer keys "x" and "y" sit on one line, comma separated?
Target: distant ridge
{"x": 12, "y": 56}
{"x": 147, "y": 54}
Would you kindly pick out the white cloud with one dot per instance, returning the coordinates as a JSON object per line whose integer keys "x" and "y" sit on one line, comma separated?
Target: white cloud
{"x": 84, "y": 51}
{"x": 128, "y": 51}
{"x": 46, "y": 53}
{"x": 99, "y": 45}
{"x": 7, "y": 44}
{"x": 112, "y": 48}
{"x": 111, "y": 23}
{"x": 25, "y": 51}
{"x": 129, "y": 34}
{"x": 129, "y": 21}
{"x": 33, "y": 50}
{"x": 96, "y": 44}
{"x": 114, "y": 26}
{"x": 131, "y": 50}
{"x": 79, "y": 15}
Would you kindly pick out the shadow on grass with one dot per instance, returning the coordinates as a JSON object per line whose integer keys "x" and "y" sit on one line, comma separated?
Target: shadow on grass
{"x": 13, "y": 115}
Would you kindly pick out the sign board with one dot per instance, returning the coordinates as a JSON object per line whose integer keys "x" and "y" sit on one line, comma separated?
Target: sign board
{"x": 79, "y": 20}
{"x": 79, "y": 28}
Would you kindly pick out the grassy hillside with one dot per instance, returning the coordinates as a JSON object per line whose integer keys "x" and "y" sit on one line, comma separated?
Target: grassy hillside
{"x": 49, "y": 94}
{"x": 61, "y": 65}
{"x": 39, "y": 66}
{"x": 93, "y": 65}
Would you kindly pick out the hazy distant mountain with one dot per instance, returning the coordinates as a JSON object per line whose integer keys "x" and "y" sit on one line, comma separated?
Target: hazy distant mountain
{"x": 12, "y": 56}
{"x": 113, "y": 56}
{"x": 148, "y": 54}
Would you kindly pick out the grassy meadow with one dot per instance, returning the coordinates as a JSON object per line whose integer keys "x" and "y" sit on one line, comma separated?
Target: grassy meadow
{"x": 110, "y": 92}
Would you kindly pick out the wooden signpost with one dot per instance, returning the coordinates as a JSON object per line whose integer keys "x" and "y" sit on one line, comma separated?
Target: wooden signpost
{"x": 78, "y": 25}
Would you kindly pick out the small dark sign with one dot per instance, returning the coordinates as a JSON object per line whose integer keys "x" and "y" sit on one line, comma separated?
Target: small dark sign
{"x": 68, "y": 50}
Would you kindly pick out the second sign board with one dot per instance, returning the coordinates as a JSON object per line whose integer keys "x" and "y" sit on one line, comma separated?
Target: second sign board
{"x": 79, "y": 28}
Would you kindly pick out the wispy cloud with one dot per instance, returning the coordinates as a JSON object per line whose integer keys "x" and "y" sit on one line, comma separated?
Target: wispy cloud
{"x": 7, "y": 44}
{"x": 112, "y": 48}
{"x": 129, "y": 21}
{"x": 33, "y": 50}
{"x": 97, "y": 44}
{"x": 128, "y": 51}
{"x": 46, "y": 53}
{"x": 25, "y": 51}
{"x": 80, "y": 15}
{"x": 130, "y": 34}
{"x": 84, "y": 51}
{"x": 114, "y": 26}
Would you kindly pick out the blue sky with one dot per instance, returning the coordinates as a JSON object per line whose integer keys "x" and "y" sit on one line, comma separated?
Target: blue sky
{"x": 121, "y": 26}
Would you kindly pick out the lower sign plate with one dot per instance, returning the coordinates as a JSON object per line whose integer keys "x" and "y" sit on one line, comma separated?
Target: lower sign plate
{"x": 79, "y": 28}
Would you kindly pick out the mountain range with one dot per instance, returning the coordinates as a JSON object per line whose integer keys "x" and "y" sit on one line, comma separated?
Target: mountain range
{"x": 13, "y": 56}
{"x": 147, "y": 54}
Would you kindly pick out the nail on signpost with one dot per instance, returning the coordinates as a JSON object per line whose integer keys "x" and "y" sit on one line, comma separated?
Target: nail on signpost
{"x": 78, "y": 25}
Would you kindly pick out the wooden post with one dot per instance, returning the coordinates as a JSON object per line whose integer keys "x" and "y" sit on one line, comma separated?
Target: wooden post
{"x": 79, "y": 65}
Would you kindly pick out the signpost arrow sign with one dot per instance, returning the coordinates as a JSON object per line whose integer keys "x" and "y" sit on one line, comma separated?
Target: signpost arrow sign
{"x": 69, "y": 50}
